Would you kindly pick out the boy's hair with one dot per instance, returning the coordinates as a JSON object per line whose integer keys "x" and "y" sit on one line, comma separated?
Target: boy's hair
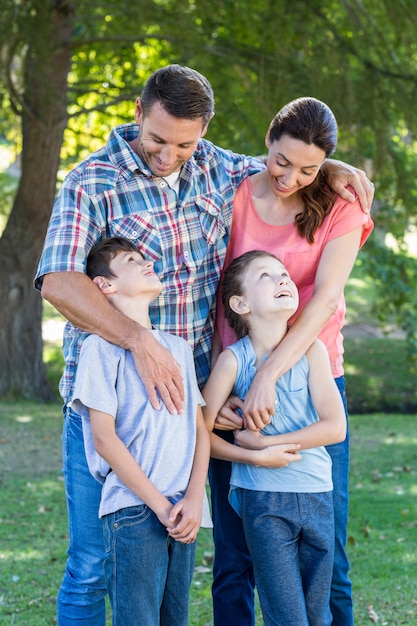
{"x": 103, "y": 252}
{"x": 181, "y": 91}
{"x": 232, "y": 285}
{"x": 311, "y": 121}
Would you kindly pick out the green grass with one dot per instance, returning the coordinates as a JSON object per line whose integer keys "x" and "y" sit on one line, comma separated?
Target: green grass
{"x": 383, "y": 489}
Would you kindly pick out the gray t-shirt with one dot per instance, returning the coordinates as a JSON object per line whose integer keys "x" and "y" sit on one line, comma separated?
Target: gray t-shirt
{"x": 162, "y": 444}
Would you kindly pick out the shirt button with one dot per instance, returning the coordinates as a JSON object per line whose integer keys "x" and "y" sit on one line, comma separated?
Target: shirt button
{"x": 135, "y": 233}
{"x": 185, "y": 253}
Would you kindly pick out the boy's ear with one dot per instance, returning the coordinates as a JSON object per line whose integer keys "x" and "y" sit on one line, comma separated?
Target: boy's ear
{"x": 103, "y": 284}
{"x": 238, "y": 305}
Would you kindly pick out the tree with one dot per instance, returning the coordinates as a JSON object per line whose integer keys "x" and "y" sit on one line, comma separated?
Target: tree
{"x": 70, "y": 69}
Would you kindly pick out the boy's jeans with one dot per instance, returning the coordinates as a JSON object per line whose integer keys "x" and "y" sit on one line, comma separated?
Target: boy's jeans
{"x": 148, "y": 573}
{"x": 81, "y": 598}
{"x": 233, "y": 577}
{"x": 291, "y": 540}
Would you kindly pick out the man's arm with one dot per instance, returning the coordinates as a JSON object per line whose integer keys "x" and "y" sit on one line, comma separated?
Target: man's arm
{"x": 76, "y": 297}
{"x": 340, "y": 175}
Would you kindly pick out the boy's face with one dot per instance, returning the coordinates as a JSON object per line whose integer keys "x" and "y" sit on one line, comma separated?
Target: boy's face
{"x": 133, "y": 275}
{"x": 268, "y": 288}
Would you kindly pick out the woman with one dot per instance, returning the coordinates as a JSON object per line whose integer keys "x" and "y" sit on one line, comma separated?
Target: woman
{"x": 289, "y": 210}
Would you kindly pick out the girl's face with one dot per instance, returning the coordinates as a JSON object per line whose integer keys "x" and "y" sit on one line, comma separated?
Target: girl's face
{"x": 292, "y": 165}
{"x": 268, "y": 288}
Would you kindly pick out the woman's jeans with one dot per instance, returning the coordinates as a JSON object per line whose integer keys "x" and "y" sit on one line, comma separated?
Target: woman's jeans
{"x": 291, "y": 539}
{"x": 148, "y": 573}
{"x": 233, "y": 584}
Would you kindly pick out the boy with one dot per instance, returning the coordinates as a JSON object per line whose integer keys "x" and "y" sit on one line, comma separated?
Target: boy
{"x": 287, "y": 513}
{"x": 152, "y": 464}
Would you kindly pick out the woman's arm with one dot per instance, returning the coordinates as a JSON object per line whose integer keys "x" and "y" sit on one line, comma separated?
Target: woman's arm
{"x": 331, "y": 427}
{"x": 335, "y": 265}
{"x": 216, "y": 392}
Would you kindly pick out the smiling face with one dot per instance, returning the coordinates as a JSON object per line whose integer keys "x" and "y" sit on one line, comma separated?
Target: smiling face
{"x": 165, "y": 142}
{"x": 133, "y": 275}
{"x": 292, "y": 165}
{"x": 267, "y": 289}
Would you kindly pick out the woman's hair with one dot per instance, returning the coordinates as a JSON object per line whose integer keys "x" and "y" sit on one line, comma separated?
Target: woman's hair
{"x": 232, "y": 285}
{"x": 103, "y": 252}
{"x": 181, "y": 91}
{"x": 311, "y": 121}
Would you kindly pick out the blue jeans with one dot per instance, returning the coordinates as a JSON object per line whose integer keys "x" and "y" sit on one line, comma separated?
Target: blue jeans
{"x": 148, "y": 573}
{"x": 291, "y": 539}
{"x": 233, "y": 580}
{"x": 81, "y": 598}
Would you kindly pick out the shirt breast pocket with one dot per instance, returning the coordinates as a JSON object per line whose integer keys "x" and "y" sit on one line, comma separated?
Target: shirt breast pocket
{"x": 211, "y": 215}
{"x": 139, "y": 229}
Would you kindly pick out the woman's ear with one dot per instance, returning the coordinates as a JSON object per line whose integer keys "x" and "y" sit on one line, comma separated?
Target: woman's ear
{"x": 238, "y": 305}
{"x": 103, "y": 284}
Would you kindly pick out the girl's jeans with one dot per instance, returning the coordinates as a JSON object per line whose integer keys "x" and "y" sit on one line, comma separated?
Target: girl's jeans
{"x": 233, "y": 583}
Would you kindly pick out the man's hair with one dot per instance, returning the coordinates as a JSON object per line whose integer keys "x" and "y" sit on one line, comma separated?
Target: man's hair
{"x": 232, "y": 285}
{"x": 103, "y": 252}
{"x": 311, "y": 121}
{"x": 182, "y": 92}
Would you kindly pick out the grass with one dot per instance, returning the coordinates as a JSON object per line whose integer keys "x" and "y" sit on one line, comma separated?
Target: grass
{"x": 383, "y": 489}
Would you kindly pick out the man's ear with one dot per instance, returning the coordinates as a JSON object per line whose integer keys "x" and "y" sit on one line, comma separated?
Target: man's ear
{"x": 203, "y": 132}
{"x": 104, "y": 284}
{"x": 238, "y": 305}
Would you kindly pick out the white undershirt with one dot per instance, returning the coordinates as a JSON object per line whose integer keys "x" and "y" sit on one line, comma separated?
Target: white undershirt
{"x": 173, "y": 180}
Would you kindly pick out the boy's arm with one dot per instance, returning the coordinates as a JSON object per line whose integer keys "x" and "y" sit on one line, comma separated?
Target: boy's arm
{"x": 331, "y": 427}
{"x": 216, "y": 392}
{"x": 113, "y": 450}
{"x": 185, "y": 516}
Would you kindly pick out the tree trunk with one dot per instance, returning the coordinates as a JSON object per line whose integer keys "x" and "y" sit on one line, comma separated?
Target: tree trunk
{"x": 43, "y": 108}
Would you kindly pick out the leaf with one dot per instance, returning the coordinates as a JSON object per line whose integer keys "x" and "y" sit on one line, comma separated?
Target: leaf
{"x": 372, "y": 615}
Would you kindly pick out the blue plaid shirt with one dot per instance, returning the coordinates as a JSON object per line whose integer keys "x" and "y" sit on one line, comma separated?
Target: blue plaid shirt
{"x": 113, "y": 193}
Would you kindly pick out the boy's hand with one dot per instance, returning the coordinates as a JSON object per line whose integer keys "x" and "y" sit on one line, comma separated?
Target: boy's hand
{"x": 250, "y": 439}
{"x": 280, "y": 455}
{"x": 185, "y": 520}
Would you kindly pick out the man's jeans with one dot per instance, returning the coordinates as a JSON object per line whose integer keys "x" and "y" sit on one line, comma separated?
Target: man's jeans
{"x": 233, "y": 582}
{"x": 81, "y": 598}
{"x": 148, "y": 573}
{"x": 291, "y": 540}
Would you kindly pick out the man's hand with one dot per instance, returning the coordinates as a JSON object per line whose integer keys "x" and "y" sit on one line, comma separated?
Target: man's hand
{"x": 340, "y": 174}
{"x": 250, "y": 439}
{"x": 159, "y": 372}
{"x": 229, "y": 418}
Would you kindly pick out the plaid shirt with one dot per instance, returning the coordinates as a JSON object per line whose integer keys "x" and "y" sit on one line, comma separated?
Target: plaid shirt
{"x": 114, "y": 193}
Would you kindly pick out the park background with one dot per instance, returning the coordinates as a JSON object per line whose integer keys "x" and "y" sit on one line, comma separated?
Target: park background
{"x": 69, "y": 71}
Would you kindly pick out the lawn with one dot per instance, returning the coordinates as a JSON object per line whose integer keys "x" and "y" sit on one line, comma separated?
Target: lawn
{"x": 383, "y": 489}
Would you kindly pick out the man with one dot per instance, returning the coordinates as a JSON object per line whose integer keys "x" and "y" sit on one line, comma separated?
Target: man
{"x": 160, "y": 184}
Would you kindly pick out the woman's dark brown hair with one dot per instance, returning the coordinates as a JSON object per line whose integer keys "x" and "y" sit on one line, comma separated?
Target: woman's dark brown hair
{"x": 311, "y": 121}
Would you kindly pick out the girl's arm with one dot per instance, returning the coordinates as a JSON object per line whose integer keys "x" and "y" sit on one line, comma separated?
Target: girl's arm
{"x": 113, "y": 450}
{"x": 216, "y": 392}
{"x": 331, "y": 427}
{"x": 332, "y": 274}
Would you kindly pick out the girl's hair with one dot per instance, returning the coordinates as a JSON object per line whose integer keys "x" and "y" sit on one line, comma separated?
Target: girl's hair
{"x": 232, "y": 285}
{"x": 103, "y": 252}
{"x": 182, "y": 92}
{"x": 311, "y": 121}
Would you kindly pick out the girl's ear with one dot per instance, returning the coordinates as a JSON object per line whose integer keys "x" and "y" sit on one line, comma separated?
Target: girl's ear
{"x": 238, "y": 305}
{"x": 103, "y": 284}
